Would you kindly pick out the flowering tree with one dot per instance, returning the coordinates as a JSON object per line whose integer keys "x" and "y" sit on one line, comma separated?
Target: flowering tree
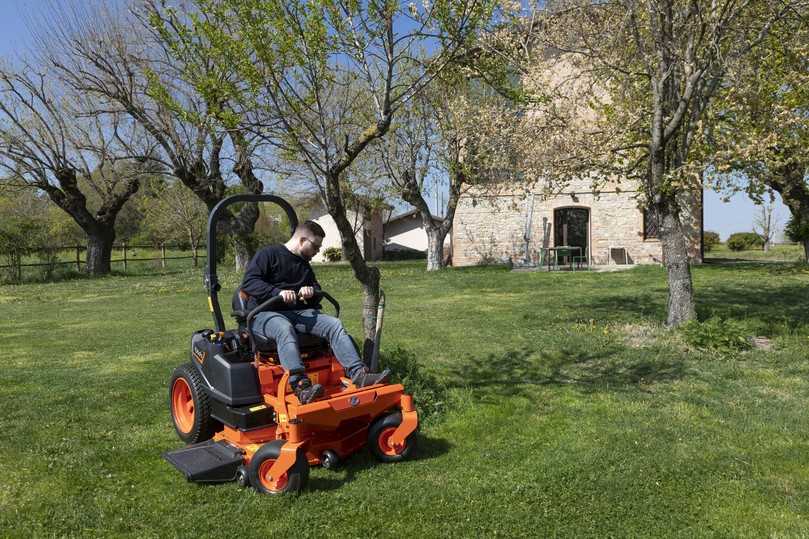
{"x": 643, "y": 77}
{"x": 759, "y": 135}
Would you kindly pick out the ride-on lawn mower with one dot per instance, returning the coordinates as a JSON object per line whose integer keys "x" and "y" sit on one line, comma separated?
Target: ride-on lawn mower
{"x": 232, "y": 402}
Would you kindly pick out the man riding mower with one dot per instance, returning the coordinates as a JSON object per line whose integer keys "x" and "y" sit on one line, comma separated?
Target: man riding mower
{"x": 262, "y": 403}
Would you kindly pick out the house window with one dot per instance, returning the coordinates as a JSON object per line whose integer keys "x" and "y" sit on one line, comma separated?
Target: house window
{"x": 651, "y": 224}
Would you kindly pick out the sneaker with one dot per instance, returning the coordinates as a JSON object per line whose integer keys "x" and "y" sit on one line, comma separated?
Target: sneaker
{"x": 306, "y": 391}
{"x": 364, "y": 378}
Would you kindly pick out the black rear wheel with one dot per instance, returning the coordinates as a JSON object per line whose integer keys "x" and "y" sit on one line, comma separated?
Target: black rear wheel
{"x": 189, "y": 405}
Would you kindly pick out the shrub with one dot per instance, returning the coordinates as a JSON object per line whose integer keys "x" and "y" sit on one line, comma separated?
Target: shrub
{"x": 744, "y": 241}
{"x": 404, "y": 254}
{"x": 796, "y": 230}
{"x": 333, "y": 254}
{"x": 429, "y": 393}
{"x": 724, "y": 337}
{"x": 710, "y": 240}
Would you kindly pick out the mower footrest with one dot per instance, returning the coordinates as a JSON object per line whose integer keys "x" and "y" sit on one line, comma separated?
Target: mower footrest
{"x": 207, "y": 462}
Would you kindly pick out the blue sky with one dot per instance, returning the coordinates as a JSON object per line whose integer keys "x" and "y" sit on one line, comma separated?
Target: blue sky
{"x": 725, "y": 218}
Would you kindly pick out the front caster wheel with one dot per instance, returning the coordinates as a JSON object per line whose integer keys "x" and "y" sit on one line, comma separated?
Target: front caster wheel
{"x": 241, "y": 477}
{"x": 258, "y": 472}
{"x": 379, "y": 439}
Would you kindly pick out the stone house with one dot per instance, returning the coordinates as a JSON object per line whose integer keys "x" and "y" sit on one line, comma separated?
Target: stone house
{"x": 608, "y": 227}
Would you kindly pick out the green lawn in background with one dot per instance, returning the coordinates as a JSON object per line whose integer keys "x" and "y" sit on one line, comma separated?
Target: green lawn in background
{"x": 782, "y": 252}
{"x": 569, "y": 410}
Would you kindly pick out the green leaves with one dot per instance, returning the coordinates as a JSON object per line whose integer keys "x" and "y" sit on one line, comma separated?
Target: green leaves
{"x": 717, "y": 335}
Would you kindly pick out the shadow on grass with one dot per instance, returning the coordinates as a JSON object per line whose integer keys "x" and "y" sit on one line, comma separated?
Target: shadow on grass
{"x": 427, "y": 448}
{"x": 763, "y": 298}
{"x": 519, "y": 372}
{"x": 76, "y": 276}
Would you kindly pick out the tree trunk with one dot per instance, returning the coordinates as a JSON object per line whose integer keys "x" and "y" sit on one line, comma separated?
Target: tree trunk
{"x": 368, "y": 276}
{"x": 243, "y": 249}
{"x": 435, "y": 249}
{"x": 370, "y": 303}
{"x": 788, "y": 181}
{"x": 675, "y": 257}
{"x": 99, "y": 251}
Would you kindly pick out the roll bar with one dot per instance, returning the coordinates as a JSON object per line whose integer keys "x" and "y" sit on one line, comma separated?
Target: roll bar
{"x": 210, "y": 280}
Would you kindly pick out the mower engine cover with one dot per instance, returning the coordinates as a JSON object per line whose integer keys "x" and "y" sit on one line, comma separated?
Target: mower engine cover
{"x": 228, "y": 378}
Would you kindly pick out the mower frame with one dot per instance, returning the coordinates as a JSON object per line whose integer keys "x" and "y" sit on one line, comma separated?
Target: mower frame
{"x": 274, "y": 438}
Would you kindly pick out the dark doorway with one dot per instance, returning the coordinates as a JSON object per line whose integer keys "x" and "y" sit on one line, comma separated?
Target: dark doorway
{"x": 571, "y": 228}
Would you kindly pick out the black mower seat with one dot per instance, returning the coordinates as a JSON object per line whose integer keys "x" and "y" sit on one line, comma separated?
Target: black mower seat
{"x": 306, "y": 342}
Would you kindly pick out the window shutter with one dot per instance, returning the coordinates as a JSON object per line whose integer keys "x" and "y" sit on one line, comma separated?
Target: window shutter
{"x": 651, "y": 224}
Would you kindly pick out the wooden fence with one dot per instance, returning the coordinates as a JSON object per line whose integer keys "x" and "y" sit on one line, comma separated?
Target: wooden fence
{"x": 122, "y": 253}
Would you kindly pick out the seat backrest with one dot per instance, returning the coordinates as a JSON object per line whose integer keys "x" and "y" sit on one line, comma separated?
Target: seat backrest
{"x": 239, "y": 305}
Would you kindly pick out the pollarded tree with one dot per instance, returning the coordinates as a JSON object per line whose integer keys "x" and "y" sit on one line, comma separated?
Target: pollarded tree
{"x": 115, "y": 56}
{"x": 310, "y": 65}
{"x": 51, "y": 140}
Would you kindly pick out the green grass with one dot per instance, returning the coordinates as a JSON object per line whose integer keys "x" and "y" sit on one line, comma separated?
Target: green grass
{"x": 785, "y": 252}
{"x": 570, "y": 410}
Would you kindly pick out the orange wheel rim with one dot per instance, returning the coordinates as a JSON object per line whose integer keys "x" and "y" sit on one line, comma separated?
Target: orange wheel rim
{"x": 182, "y": 405}
{"x": 267, "y": 481}
{"x": 384, "y": 443}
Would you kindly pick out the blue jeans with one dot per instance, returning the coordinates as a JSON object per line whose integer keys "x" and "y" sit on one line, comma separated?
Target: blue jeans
{"x": 283, "y": 327}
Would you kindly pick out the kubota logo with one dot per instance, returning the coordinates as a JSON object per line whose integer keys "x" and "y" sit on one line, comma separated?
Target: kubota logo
{"x": 199, "y": 355}
{"x": 354, "y": 401}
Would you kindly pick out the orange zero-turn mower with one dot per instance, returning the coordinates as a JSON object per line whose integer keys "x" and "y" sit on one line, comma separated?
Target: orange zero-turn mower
{"x": 233, "y": 405}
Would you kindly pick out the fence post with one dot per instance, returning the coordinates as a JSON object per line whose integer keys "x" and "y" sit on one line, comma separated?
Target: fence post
{"x": 124, "y": 246}
{"x": 78, "y": 258}
{"x": 163, "y": 255}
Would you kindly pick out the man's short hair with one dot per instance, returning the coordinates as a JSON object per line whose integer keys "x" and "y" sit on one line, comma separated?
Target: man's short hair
{"x": 312, "y": 228}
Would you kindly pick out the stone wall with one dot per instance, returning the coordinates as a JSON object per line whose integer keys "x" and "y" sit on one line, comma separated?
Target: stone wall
{"x": 489, "y": 228}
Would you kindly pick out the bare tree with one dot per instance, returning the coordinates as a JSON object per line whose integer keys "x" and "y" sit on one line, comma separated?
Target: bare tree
{"x": 172, "y": 212}
{"x": 766, "y": 222}
{"x": 52, "y": 139}
{"x": 456, "y": 130}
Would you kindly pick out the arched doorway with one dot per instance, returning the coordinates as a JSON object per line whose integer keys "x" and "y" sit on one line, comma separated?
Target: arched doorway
{"x": 572, "y": 229}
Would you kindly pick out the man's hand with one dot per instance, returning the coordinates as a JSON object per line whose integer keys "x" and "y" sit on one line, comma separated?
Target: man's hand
{"x": 307, "y": 292}
{"x": 288, "y": 295}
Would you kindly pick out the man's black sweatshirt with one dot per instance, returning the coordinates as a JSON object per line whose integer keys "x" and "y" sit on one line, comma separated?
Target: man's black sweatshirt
{"x": 273, "y": 269}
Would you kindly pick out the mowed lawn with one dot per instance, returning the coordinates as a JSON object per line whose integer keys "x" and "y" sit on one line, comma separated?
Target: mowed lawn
{"x": 568, "y": 411}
